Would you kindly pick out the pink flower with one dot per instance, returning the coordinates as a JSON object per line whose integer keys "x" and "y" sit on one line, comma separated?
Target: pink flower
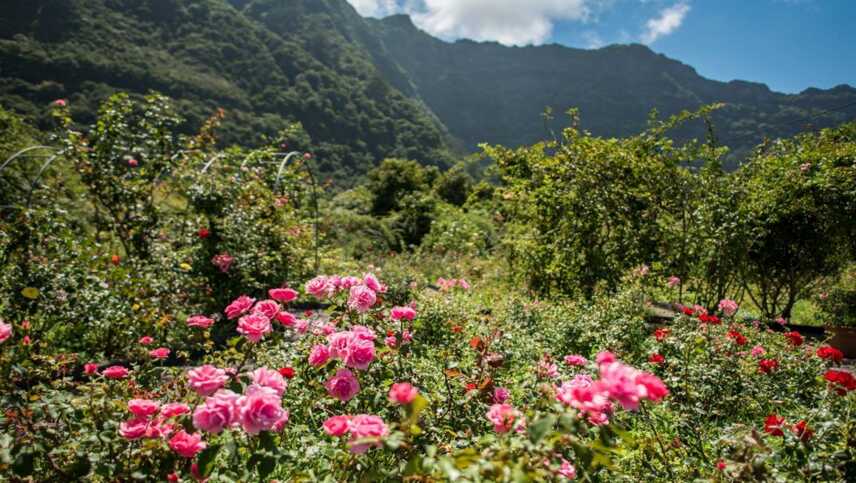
{"x": 366, "y": 432}
{"x": 301, "y": 326}
{"x": 159, "y": 353}
{"x": 503, "y": 417}
{"x": 5, "y": 331}
{"x": 286, "y": 318}
{"x": 223, "y": 261}
{"x": 406, "y": 337}
{"x": 157, "y": 429}
{"x": 146, "y": 340}
{"x": 402, "y": 393}
{"x": 207, "y": 379}
{"x": 758, "y": 351}
{"x": 269, "y": 378}
{"x": 363, "y": 333}
{"x": 172, "y": 410}
{"x": 337, "y": 425}
{"x": 673, "y": 281}
{"x": 254, "y": 327}
{"x": 60, "y": 103}
{"x": 619, "y": 381}
{"x": 345, "y": 283}
{"x": 370, "y": 281}
{"x": 200, "y": 321}
{"x": 567, "y": 470}
{"x": 654, "y": 389}
{"x": 268, "y": 308}
{"x": 399, "y": 313}
{"x": 728, "y": 307}
{"x": 260, "y": 409}
{"x": 239, "y": 306}
{"x": 219, "y": 411}
{"x": 605, "y": 357}
{"x": 576, "y": 360}
{"x": 283, "y": 295}
{"x": 280, "y": 423}
{"x": 319, "y": 356}
{"x": 343, "y": 385}
{"x": 360, "y": 354}
{"x": 90, "y": 368}
{"x": 320, "y": 287}
{"x": 143, "y": 408}
{"x": 187, "y": 445}
{"x": 339, "y": 344}
{"x": 115, "y": 372}
{"x": 547, "y": 368}
{"x": 361, "y": 298}
{"x": 500, "y": 395}
{"x": 133, "y": 428}
{"x": 390, "y": 341}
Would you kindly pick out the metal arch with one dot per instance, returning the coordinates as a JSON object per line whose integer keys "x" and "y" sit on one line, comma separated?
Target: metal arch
{"x": 216, "y": 157}
{"x": 39, "y": 177}
{"x": 285, "y": 158}
{"x": 21, "y": 152}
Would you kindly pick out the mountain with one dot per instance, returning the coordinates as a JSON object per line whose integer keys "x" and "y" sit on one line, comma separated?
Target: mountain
{"x": 216, "y": 53}
{"x": 364, "y": 89}
{"x": 484, "y": 91}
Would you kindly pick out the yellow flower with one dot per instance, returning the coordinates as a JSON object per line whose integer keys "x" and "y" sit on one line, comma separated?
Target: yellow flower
{"x": 185, "y": 266}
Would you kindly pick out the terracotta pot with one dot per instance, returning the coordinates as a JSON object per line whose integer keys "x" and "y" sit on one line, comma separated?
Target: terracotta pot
{"x": 844, "y": 339}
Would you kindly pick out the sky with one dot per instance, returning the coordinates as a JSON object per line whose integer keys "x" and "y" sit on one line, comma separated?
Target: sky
{"x": 789, "y": 45}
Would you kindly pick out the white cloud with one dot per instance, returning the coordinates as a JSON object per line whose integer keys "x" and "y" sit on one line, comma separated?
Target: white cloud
{"x": 592, "y": 40}
{"x": 667, "y": 22}
{"x": 511, "y": 22}
{"x": 375, "y": 8}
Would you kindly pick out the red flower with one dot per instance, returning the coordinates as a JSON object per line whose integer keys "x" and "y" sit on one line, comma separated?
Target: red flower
{"x": 470, "y": 387}
{"x": 286, "y": 372}
{"x": 773, "y": 425}
{"x": 687, "y": 310}
{"x": 802, "y": 431}
{"x": 842, "y": 381}
{"x": 768, "y": 365}
{"x": 203, "y": 232}
{"x": 661, "y": 333}
{"x": 115, "y": 259}
{"x": 795, "y": 338}
{"x": 737, "y": 337}
{"x": 709, "y": 319}
{"x": 475, "y": 342}
{"x": 656, "y": 358}
{"x": 830, "y": 353}
{"x": 720, "y": 465}
{"x": 457, "y": 329}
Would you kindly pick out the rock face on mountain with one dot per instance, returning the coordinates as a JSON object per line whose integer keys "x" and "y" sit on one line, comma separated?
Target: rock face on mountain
{"x": 364, "y": 89}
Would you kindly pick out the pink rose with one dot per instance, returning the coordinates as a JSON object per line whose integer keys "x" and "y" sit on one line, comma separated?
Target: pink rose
{"x": 260, "y": 409}
{"x": 207, "y": 379}
{"x": 143, "y": 408}
{"x": 146, "y": 340}
{"x": 343, "y": 385}
{"x": 575, "y": 360}
{"x": 115, "y": 372}
{"x": 239, "y": 306}
{"x": 339, "y": 344}
{"x": 159, "y": 353}
{"x": 90, "y": 368}
{"x": 370, "y": 281}
{"x": 219, "y": 411}
{"x": 187, "y": 445}
{"x": 268, "y": 308}
{"x": 223, "y": 261}
{"x": 286, "y": 318}
{"x": 728, "y": 307}
{"x": 605, "y": 357}
{"x": 503, "y": 417}
{"x": 279, "y": 425}
{"x": 390, "y": 341}
{"x": 345, "y": 283}
{"x": 5, "y": 331}
{"x": 337, "y": 425}
{"x": 406, "y": 337}
{"x": 399, "y": 313}
{"x": 500, "y": 395}
{"x": 172, "y": 410}
{"x": 157, "y": 429}
{"x": 362, "y": 332}
{"x": 254, "y": 326}
{"x": 200, "y": 321}
{"x": 673, "y": 281}
{"x": 283, "y": 295}
{"x": 319, "y": 356}
{"x": 366, "y": 431}
{"x": 567, "y": 470}
{"x": 60, "y": 103}
{"x": 269, "y": 378}
{"x": 360, "y": 354}
{"x": 361, "y": 298}
{"x": 758, "y": 351}
{"x": 402, "y": 393}
{"x": 133, "y": 428}
{"x": 320, "y": 287}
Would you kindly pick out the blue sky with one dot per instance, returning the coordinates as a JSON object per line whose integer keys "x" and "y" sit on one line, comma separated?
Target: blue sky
{"x": 788, "y": 44}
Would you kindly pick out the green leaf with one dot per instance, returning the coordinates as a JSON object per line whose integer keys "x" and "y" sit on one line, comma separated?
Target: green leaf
{"x": 267, "y": 465}
{"x": 206, "y": 459}
{"x": 540, "y": 428}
